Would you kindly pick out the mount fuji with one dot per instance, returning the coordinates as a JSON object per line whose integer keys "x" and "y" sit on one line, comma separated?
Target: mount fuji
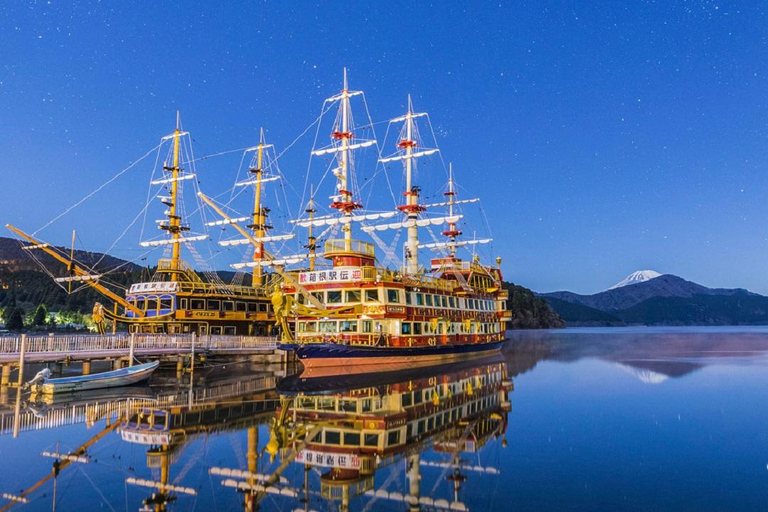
{"x": 640, "y": 276}
{"x": 649, "y": 298}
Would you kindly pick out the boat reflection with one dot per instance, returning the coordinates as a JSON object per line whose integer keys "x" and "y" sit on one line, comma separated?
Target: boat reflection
{"x": 305, "y": 442}
{"x": 349, "y": 430}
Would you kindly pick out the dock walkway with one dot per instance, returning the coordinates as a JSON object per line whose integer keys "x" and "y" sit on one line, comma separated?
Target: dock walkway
{"x": 86, "y": 347}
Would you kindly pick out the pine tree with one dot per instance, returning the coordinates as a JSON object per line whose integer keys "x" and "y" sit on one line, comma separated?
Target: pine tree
{"x": 41, "y": 316}
{"x": 15, "y": 320}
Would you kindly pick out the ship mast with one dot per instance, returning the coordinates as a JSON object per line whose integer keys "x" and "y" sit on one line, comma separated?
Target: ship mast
{"x": 174, "y": 220}
{"x": 411, "y": 208}
{"x": 451, "y": 232}
{"x": 344, "y": 164}
{"x": 342, "y": 200}
{"x": 311, "y": 241}
{"x": 258, "y": 216}
{"x": 406, "y": 148}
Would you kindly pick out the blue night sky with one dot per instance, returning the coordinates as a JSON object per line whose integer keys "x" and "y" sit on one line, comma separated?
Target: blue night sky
{"x": 603, "y": 137}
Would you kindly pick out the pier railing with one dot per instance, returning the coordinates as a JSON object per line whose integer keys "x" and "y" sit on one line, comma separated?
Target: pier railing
{"x": 74, "y": 343}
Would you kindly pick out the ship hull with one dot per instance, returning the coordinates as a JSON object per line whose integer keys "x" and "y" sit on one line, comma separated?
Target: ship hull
{"x": 354, "y": 358}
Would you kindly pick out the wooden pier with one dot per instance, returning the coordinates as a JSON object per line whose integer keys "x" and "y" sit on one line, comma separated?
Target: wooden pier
{"x": 121, "y": 349}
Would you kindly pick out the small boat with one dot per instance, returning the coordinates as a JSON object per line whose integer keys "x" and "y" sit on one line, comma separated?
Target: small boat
{"x": 122, "y": 377}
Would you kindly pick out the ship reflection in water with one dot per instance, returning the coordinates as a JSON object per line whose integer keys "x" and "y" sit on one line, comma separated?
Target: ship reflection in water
{"x": 628, "y": 420}
{"x": 352, "y": 429}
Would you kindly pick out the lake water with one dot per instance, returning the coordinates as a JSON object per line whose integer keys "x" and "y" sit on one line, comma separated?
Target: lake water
{"x": 575, "y": 419}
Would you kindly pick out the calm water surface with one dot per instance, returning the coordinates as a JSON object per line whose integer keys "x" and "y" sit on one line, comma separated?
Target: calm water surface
{"x": 577, "y": 419}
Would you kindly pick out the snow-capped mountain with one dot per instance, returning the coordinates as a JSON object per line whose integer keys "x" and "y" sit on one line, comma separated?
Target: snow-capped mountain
{"x": 640, "y": 276}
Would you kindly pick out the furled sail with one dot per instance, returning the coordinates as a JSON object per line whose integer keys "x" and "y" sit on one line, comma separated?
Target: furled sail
{"x": 413, "y": 222}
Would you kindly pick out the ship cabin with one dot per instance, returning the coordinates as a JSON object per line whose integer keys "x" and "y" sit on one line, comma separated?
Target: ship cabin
{"x": 460, "y": 303}
{"x": 364, "y": 430}
{"x": 179, "y": 301}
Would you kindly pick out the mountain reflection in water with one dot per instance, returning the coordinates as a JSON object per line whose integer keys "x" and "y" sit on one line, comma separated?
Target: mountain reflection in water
{"x": 244, "y": 436}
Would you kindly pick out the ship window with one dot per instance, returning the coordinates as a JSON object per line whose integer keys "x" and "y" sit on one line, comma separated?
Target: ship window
{"x": 311, "y": 326}
{"x": 372, "y": 295}
{"x": 444, "y": 301}
{"x": 300, "y": 298}
{"x": 431, "y": 423}
{"x": 393, "y": 296}
{"x": 437, "y": 301}
{"x": 416, "y": 327}
{"x": 151, "y": 304}
{"x": 327, "y": 326}
{"x": 452, "y": 302}
{"x": 367, "y": 407}
{"x": 419, "y": 299}
{"x": 351, "y": 439}
{"x": 334, "y": 297}
{"x": 230, "y": 331}
{"x": 214, "y": 305}
{"x": 166, "y": 303}
{"x": 405, "y": 328}
{"x": 408, "y": 298}
{"x": 367, "y": 326}
{"x": 371, "y": 440}
{"x": 326, "y": 404}
{"x": 407, "y": 400}
{"x": 348, "y": 326}
{"x": 215, "y": 330}
{"x": 240, "y": 306}
{"x": 352, "y": 296}
{"x": 393, "y": 438}
{"x": 332, "y": 437}
{"x": 417, "y": 398}
{"x": 263, "y": 307}
{"x": 348, "y": 406}
{"x": 182, "y": 303}
{"x": 229, "y": 305}
{"x": 421, "y": 426}
{"x": 319, "y": 296}
{"x": 302, "y": 327}
{"x": 252, "y": 307}
{"x": 429, "y": 300}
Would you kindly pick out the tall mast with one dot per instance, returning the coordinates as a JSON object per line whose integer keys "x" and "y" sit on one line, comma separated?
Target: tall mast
{"x": 411, "y": 194}
{"x": 341, "y": 148}
{"x": 174, "y": 220}
{"x": 451, "y": 232}
{"x": 345, "y": 135}
{"x": 311, "y": 242}
{"x": 258, "y": 216}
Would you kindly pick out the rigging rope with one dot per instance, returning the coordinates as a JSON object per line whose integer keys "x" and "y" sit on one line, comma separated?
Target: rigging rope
{"x": 98, "y": 189}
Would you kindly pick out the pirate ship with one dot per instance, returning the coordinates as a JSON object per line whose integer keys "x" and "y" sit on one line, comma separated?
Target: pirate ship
{"x": 355, "y": 311}
{"x": 177, "y": 299}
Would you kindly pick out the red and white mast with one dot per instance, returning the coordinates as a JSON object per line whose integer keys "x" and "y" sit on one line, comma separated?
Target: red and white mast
{"x": 341, "y": 144}
{"x": 451, "y": 232}
{"x": 406, "y": 146}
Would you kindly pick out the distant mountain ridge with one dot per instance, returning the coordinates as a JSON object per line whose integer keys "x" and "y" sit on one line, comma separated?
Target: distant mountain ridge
{"x": 663, "y": 300}
{"x": 667, "y": 285}
{"x": 13, "y": 258}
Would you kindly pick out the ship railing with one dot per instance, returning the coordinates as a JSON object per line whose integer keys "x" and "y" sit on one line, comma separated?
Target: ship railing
{"x": 356, "y": 246}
